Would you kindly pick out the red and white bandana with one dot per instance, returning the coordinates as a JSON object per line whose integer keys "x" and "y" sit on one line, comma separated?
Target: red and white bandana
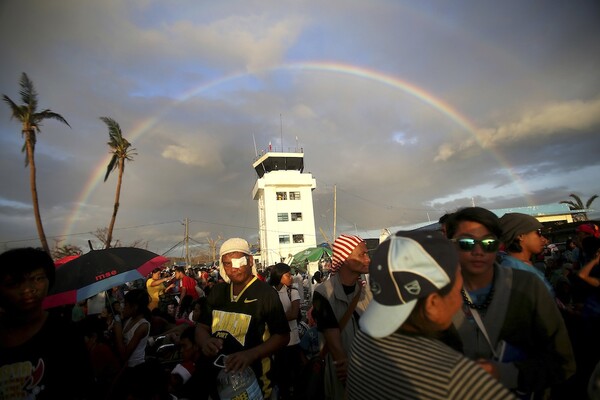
{"x": 342, "y": 247}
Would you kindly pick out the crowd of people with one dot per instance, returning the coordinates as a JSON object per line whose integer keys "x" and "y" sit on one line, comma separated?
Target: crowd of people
{"x": 484, "y": 308}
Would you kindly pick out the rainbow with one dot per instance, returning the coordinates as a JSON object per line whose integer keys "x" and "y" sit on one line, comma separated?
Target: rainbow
{"x": 317, "y": 66}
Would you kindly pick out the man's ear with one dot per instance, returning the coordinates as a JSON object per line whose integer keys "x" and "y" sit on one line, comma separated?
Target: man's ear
{"x": 250, "y": 260}
{"x": 433, "y": 308}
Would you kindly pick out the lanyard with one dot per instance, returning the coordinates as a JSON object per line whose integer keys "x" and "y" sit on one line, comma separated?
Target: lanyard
{"x": 233, "y": 298}
{"x": 480, "y": 324}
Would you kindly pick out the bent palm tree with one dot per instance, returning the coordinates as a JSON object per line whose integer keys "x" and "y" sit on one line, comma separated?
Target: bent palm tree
{"x": 577, "y": 204}
{"x": 121, "y": 150}
{"x": 31, "y": 120}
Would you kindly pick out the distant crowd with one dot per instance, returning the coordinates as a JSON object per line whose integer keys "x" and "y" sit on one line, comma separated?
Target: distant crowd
{"x": 486, "y": 307}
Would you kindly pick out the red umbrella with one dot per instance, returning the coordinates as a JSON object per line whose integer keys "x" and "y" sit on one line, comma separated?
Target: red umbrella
{"x": 64, "y": 260}
{"x": 98, "y": 271}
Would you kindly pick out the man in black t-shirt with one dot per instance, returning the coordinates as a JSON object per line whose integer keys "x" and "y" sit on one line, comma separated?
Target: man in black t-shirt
{"x": 42, "y": 355}
{"x": 243, "y": 319}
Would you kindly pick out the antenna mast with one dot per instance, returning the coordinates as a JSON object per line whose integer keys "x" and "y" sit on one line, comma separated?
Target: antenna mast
{"x": 281, "y": 130}
{"x": 334, "y": 210}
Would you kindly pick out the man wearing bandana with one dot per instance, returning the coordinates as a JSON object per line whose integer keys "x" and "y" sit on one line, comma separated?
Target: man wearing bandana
{"x": 332, "y": 299}
{"x": 243, "y": 319}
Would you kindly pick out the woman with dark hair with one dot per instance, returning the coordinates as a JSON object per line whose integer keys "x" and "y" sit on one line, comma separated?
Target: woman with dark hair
{"x": 287, "y": 361}
{"x": 42, "y": 355}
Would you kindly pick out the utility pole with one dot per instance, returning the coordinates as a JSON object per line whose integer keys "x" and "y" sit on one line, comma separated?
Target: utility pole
{"x": 187, "y": 242}
{"x": 334, "y": 210}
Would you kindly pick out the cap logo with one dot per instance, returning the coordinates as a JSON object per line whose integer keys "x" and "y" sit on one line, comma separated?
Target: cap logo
{"x": 413, "y": 287}
{"x": 375, "y": 287}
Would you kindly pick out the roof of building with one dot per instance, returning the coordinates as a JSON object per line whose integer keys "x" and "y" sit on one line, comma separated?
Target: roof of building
{"x": 535, "y": 211}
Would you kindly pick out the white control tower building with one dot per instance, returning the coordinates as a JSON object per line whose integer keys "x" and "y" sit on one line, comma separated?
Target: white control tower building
{"x": 285, "y": 206}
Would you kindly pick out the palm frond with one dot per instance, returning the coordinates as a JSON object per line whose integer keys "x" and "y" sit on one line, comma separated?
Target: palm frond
{"x": 112, "y": 165}
{"x": 588, "y": 204}
{"x": 572, "y": 205}
{"x": 16, "y": 110}
{"x": 27, "y": 92}
{"x": 577, "y": 200}
{"x": 48, "y": 114}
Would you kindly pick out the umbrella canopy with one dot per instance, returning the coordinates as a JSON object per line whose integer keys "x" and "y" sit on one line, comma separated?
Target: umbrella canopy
{"x": 64, "y": 260}
{"x": 311, "y": 254}
{"x": 100, "y": 270}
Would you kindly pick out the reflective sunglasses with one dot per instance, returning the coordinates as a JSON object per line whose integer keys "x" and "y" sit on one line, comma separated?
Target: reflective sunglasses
{"x": 539, "y": 232}
{"x": 468, "y": 244}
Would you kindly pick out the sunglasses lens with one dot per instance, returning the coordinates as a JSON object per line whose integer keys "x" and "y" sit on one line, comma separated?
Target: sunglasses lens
{"x": 466, "y": 244}
{"x": 489, "y": 245}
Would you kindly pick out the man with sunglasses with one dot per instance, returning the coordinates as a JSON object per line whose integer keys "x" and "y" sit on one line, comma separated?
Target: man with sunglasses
{"x": 523, "y": 239}
{"x": 508, "y": 324}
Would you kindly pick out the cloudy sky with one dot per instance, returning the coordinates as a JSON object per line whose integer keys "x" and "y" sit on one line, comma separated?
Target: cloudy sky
{"x": 409, "y": 109}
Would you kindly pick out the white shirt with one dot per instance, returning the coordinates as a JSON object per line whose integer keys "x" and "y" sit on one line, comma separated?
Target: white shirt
{"x": 287, "y": 305}
{"x": 299, "y": 284}
{"x": 139, "y": 353}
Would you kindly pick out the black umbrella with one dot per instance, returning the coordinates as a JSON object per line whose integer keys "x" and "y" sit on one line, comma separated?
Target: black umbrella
{"x": 98, "y": 271}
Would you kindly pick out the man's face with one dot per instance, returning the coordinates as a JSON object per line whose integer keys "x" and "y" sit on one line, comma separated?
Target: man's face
{"x": 358, "y": 261}
{"x": 26, "y": 293}
{"x": 238, "y": 266}
{"x": 475, "y": 261}
{"x": 533, "y": 242}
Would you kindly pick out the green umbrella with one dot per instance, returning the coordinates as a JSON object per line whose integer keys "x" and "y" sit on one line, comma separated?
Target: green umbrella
{"x": 311, "y": 254}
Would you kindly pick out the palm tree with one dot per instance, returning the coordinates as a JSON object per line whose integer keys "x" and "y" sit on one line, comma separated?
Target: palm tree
{"x": 577, "y": 204}
{"x": 121, "y": 150}
{"x": 31, "y": 120}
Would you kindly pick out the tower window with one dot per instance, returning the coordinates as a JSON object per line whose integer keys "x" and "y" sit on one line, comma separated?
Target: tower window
{"x": 283, "y": 239}
{"x": 283, "y": 217}
{"x": 297, "y": 216}
{"x": 281, "y": 195}
{"x": 299, "y": 238}
{"x": 294, "y": 195}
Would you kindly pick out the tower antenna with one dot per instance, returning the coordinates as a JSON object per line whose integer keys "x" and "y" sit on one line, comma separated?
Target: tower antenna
{"x": 281, "y": 130}
{"x": 255, "y": 150}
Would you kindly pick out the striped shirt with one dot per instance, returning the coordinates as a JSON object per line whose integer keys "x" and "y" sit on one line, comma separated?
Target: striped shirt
{"x": 402, "y": 366}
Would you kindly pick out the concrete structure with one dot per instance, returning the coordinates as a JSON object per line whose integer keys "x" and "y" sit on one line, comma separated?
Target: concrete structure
{"x": 285, "y": 206}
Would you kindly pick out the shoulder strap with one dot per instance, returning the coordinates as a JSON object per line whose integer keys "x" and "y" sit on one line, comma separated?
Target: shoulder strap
{"x": 351, "y": 307}
{"x": 345, "y": 318}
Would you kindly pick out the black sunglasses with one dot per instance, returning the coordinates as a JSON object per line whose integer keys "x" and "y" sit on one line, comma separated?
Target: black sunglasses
{"x": 468, "y": 244}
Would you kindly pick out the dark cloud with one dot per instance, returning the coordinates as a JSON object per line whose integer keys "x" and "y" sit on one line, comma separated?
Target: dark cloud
{"x": 490, "y": 103}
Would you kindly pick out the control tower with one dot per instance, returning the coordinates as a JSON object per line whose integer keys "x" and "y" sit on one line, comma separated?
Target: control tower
{"x": 285, "y": 206}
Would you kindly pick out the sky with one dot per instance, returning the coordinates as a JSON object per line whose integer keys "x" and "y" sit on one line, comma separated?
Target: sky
{"x": 406, "y": 109}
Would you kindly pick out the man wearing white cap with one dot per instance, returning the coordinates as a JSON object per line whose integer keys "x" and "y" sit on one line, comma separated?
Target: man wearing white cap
{"x": 243, "y": 319}
{"x": 331, "y": 301}
{"x": 415, "y": 279}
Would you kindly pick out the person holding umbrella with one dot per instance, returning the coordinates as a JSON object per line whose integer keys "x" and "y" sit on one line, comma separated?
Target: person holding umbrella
{"x": 42, "y": 355}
